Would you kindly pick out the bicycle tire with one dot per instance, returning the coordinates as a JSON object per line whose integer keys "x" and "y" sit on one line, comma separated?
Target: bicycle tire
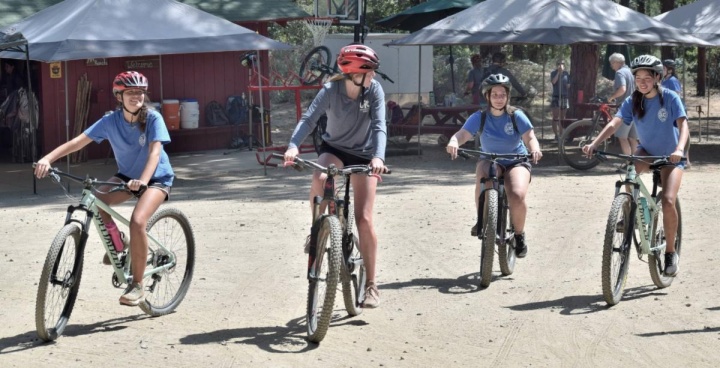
{"x": 353, "y": 280}
{"x": 164, "y": 291}
{"x": 323, "y": 282}
{"x": 311, "y": 69}
{"x": 572, "y": 141}
{"x": 489, "y": 230}
{"x": 657, "y": 263}
{"x": 506, "y": 240}
{"x": 60, "y": 280}
{"x": 614, "y": 274}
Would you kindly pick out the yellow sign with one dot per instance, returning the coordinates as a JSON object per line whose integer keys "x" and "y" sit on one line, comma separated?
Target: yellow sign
{"x": 55, "y": 70}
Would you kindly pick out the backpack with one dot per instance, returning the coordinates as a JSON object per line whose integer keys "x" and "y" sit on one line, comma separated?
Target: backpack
{"x": 236, "y": 109}
{"x": 215, "y": 114}
{"x": 511, "y": 110}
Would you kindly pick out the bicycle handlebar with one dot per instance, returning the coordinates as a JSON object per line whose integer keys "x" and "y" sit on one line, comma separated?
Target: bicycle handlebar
{"x": 56, "y": 173}
{"x": 299, "y": 163}
{"x": 467, "y": 153}
{"x": 656, "y": 159}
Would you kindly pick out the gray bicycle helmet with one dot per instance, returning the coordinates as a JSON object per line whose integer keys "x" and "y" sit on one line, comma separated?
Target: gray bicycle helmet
{"x": 647, "y": 62}
{"x": 495, "y": 80}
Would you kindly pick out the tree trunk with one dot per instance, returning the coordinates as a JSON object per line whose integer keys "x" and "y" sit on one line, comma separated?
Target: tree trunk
{"x": 583, "y": 76}
{"x": 667, "y": 52}
{"x": 701, "y": 71}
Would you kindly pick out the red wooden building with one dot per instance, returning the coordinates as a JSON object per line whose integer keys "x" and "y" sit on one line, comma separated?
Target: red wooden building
{"x": 204, "y": 77}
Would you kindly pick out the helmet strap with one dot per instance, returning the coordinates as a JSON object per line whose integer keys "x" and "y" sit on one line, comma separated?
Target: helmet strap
{"x": 122, "y": 101}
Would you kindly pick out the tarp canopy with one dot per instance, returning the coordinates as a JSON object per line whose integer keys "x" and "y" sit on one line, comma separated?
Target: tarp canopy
{"x": 86, "y": 29}
{"x": 431, "y": 11}
{"x": 551, "y": 22}
{"x": 701, "y": 18}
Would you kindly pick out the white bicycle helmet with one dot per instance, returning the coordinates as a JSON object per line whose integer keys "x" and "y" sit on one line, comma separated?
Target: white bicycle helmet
{"x": 496, "y": 80}
{"x": 647, "y": 62}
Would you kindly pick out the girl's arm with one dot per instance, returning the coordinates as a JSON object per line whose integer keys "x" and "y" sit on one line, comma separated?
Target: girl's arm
{"x": 533, "y": 145}
{"x": 152, "y": 162}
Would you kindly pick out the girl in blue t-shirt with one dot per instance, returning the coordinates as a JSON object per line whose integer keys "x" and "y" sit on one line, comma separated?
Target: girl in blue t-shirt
{"x": 500, "y": 136}
{"x": 662, "y": 127}
{"x": 137, "y": 135}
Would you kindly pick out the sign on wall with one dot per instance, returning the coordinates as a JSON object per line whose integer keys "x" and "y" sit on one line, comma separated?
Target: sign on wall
{"x": 55, "y": 70}
{"x": 141, "y": 64}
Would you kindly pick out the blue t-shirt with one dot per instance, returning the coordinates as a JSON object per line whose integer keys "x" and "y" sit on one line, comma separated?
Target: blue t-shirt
{"x": 624, "y": 77}
{"x": 498, "y": 135}
{"x": 131, "y": 146}
{"x": 672, "y": 84}
{"x": 657, "y": 130}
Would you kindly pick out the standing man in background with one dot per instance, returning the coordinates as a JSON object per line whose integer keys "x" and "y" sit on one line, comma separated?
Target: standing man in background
{"x": 560, "y": 80}
{"x": 624, "y": 86}
{"x": 474, "y": 79}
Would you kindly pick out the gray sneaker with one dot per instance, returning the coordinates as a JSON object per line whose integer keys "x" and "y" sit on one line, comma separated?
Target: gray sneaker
{"x": 372, "y": 296}
{"x": 672, "y": 264}
{"x": 133, "y": 295}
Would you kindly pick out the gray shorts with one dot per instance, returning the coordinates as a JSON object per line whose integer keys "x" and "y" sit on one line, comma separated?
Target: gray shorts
{"x": 626, "y": 131}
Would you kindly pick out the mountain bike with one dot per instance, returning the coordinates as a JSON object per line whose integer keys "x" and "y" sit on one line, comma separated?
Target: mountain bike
{"x": 583, "y": 132}
{"x": 170, "y": 259}
{"x": 636, "y": 217}
{"x": 494, "y": 221}
{"x": 334, "y": 254}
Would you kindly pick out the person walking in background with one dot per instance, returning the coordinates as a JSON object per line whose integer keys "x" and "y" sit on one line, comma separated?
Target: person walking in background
{"x": 671, "y": 82}
{"x": 474, "y": 79}
{"x": 355, "y": 135}
{"x": 560, "y": 102}
{"x": 498, "y": 67}
{"x": 624, "y": 86}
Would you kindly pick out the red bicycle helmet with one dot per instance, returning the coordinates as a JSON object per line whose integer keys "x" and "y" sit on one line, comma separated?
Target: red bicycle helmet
{"x": 357, "y": 59}
{"x": 129, "y": 80}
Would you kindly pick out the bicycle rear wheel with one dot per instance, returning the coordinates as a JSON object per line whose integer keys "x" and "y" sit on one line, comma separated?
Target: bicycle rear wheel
{"x": 312, "y": 69}
{"x": 656, "y": 261}
{"x": 506, "y": 244}
{"x": 353, "y": 273}
{"x": 616, "y": 250}
{"x": 323, "y": 276}
{"x": 572, "y": 141}
{"x": 489, "y": 230}
{"x": 59, "y": 283}
{"x": 165, "y": 290}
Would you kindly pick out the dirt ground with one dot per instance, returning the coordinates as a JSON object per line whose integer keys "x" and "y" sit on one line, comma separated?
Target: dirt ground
{"x": 246, "y": 304}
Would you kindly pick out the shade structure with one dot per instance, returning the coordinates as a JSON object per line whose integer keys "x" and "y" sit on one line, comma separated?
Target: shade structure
{"x": 86, "y": 29}
{"x": 550, "y": 22}
{"x": 701, "y": 18}
{"x": 419, "y": 16}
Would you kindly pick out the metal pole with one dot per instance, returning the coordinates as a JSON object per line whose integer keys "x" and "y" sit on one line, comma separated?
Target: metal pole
{"x": 31, "y": 107}
{"x": 262, "y": 114}
{"x": 419, "y": 100}
{"x": 67, "y": 119}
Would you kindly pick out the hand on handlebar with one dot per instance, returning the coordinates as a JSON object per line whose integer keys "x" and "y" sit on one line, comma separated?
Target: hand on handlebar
{"x": 589, "y": 150}
{"x": 42, "y": 167}
{"x": 536, "y": 156}
{"x": 290, "y": 154}
{"x": 378, "y": 166}
{"x": 452, "y": 148}
{"x": 676, "y": 156}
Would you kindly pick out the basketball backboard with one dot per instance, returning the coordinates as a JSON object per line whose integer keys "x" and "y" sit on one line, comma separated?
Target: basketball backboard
{"x": 347, "y": 12}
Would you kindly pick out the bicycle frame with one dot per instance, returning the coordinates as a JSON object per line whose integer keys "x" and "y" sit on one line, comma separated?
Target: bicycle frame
{"x": 643, "y": 210}
{"x": 91, "y": 205}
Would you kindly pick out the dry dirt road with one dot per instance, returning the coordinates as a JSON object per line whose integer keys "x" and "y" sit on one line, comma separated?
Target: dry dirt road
{"x": 246, "y": 304}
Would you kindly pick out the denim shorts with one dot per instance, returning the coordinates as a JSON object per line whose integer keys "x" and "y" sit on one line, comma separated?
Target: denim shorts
{"x": 152, "y": 184}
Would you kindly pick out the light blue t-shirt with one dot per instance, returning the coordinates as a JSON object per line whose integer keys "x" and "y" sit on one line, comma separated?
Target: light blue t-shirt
{"x": 498, "y": 135}
{"x": 657, "y": 130}
{"x": 624, "y": 77}
{"x": 672, "y": 84}
{"x": 131, "y": 146}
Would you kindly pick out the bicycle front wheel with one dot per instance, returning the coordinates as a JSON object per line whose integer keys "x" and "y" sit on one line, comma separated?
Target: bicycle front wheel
{"x": 323, "y": 277}
{"x": 506, "y": 241}
{"x": 166, "y": 289}
{"x": 59, "y": 283}
{"x": 489, "y": 230}
{"x": 656, "y": 260}
{"x": 354, "y": 277}
{"x": 577, "y": 135}
{"x": 312, "y": 69}
{"x": 616, "y": 250}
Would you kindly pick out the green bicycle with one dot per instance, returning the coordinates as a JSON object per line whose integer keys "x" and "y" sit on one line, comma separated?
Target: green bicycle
{"x": 170, "y": 260}
{"x": 636, "y": 217}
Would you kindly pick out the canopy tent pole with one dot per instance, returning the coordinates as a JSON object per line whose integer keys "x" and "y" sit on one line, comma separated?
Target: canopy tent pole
{"x": 262, "y": 113}
{"x": 161, "y": 79}
{"x": 419, "y": 98}
{"x": 67, "y": 118}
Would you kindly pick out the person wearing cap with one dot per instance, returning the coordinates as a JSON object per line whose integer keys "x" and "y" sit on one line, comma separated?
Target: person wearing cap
{"x": 137, "y": 134}
{"x": 560, "y": 80}
{"x": 662, "y": 126}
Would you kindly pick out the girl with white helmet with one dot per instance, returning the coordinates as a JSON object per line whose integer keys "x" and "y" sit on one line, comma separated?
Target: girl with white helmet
{"x": 661, "y": 122}
{"x": 502, "y": 134}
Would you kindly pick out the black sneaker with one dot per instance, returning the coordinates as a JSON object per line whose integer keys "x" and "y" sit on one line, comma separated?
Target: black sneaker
{"x": 520, "y": 246}
{"x": 672, "y": 266}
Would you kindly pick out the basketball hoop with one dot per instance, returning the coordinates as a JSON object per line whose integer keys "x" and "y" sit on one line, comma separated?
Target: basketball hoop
{"x": 319, "y": 28}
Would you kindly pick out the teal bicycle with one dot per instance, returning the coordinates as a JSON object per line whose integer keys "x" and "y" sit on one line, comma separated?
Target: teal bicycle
{"x": 170, "y": 259}
{"x": 636, "y": 217}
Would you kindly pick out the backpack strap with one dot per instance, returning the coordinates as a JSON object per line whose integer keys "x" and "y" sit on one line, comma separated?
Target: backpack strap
{"x": 511, "y": 110}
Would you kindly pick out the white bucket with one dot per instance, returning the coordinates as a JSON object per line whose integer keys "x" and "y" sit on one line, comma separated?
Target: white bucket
{"x": 189, "y": 114}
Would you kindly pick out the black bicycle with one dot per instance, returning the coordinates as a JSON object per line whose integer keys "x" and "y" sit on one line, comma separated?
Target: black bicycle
{"x": 334, "y": 254}
{"x": 494, "y": 224}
